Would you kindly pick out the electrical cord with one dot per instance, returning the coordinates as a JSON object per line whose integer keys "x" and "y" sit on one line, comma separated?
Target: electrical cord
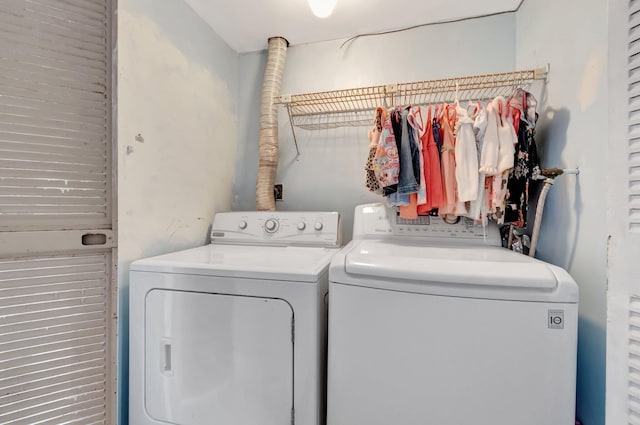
{"x": 449, "y": 21}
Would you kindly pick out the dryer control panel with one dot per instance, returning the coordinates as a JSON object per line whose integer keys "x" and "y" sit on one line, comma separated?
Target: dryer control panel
{"x": 381, "y": 221}
{"x": 286, "y": 228}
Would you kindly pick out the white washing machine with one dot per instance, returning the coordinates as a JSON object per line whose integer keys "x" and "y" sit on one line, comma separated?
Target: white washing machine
{"x": 432, "y": 323}
{"x": 234, "y": 332}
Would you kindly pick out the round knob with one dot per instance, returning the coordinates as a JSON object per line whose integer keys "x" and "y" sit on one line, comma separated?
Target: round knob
{"x": 243, "y": 224}
{"x": 318, "y": 226}
{"x": 271, "y": 225}
{"x": 301, "y": 225}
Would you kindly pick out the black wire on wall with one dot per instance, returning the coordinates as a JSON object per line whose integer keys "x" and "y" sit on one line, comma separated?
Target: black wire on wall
{"x": 449, "y": 21}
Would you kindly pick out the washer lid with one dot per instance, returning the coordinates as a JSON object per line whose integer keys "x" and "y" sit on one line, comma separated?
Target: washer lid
{"x": 448, "y": 264}
{"x": 451, "y": 270}
{"x": 302, "y": 264}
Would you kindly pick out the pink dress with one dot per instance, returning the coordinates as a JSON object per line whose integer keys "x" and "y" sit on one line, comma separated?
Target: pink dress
{"x": 450, "y": 200}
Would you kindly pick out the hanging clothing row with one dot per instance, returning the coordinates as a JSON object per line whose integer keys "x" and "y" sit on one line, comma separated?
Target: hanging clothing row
{"x": 445, "y": 159}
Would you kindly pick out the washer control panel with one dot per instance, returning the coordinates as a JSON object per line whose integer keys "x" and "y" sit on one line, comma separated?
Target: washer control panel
{"x": 380, "y": 221}
{"x": 278, "y": 228}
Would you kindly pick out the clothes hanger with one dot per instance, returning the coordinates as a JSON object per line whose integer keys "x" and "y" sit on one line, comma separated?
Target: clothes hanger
{"x": 473, "y": 108}
{"x": 456, "y": 101}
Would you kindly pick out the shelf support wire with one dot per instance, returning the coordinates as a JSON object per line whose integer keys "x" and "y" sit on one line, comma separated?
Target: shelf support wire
{"x": 293, "y": 130}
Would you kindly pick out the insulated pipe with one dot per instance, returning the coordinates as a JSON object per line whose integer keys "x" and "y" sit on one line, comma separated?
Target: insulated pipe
{"x": 268, "y": 142}
{"x": 538, "y": 220}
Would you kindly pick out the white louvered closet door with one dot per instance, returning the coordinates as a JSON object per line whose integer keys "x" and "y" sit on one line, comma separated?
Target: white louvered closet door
{"x": 623, "y": 304}
{"x": 57, "y": 244}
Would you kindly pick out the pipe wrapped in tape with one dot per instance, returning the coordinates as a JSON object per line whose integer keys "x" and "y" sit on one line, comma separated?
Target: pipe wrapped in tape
{"x": 268, "y": 141}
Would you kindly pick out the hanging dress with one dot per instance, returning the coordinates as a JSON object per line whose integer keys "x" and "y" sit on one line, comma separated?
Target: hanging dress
{"x": 499, "y": 139}
{"x": 394, "y": 198}
{"x": 466, "y": 154}
{"x": 507, "y": 135}
{"x": 491, "y": 146}
{"x": 450, "y": 200}
{"x": 416, "y": 126}
{"x": 386, "y": 165}
{"x": 432, "y": 170}
{"x": 507, "y": 139}
{"x": 526, "y": 162}
{"x": 417, "y": 123}
{"x": 477, "y": 208}
{"x": 371, "y": 181}
{"x": 409, "y": 158}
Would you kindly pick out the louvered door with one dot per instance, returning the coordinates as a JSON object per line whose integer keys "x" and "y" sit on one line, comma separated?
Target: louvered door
{"x": 57, "y": 244}
{"x": 623, "y": 304}
{"x": 633, "y": 107}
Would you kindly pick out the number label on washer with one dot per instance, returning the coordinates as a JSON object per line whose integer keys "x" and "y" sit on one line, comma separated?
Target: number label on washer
{"x": 556, "y": 319}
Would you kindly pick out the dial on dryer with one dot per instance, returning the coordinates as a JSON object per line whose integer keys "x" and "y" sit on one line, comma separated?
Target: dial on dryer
{"x": 271, "y": 225}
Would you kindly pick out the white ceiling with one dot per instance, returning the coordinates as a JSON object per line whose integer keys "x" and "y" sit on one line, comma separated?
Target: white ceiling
{"x": 247, "y": 24}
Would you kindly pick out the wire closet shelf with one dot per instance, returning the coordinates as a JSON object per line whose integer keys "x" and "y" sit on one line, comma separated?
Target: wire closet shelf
{"x": 354, "y": 107}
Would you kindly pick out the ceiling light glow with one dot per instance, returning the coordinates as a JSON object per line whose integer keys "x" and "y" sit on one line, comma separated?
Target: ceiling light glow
{"x": 322, "y": 8}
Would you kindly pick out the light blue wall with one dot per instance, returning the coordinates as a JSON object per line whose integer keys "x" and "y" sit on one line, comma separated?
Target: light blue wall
{"x": 328, "y": 174}
{"x": 572, "y": 36}
{"x": 251, "y": 73}
{"x": 178, "y": 88}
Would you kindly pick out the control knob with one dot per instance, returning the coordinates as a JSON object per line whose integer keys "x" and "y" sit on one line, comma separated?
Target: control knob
{"x": 242, "y": 225}
{"x": 318, "y": 226}
{"x": 301, "y": 225}
{"x": 271, "y": 225}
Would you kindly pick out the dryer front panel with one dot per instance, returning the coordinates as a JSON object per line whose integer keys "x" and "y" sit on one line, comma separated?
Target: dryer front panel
{"x": 218, "y": 359}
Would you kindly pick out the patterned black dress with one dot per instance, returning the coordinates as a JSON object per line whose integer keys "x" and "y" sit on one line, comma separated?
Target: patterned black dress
{"x": 526, "y": 165}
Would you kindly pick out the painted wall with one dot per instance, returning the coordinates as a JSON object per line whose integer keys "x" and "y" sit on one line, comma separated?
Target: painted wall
{"x": 573, "y": 131}
{"x": 329, "y": 174}
{"x": 177, "y": 89}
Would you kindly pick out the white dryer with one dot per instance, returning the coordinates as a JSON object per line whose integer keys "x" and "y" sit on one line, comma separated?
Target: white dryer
{"x": 432, "y": 323}
{"x": 234, "y": 332}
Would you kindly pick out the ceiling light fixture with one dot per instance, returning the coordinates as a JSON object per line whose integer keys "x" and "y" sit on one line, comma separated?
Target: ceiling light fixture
{"x": 322, "y": 8}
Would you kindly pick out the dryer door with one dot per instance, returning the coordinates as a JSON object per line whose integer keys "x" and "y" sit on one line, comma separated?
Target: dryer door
{"x": 218, "y": 359}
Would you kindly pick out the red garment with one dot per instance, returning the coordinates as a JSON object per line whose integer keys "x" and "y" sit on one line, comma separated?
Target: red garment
{"x": 515, "y": 114}
{"x": 450, "y": 198}
{"x": 410, "y": 211}
{"x": 432, "y": 174}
